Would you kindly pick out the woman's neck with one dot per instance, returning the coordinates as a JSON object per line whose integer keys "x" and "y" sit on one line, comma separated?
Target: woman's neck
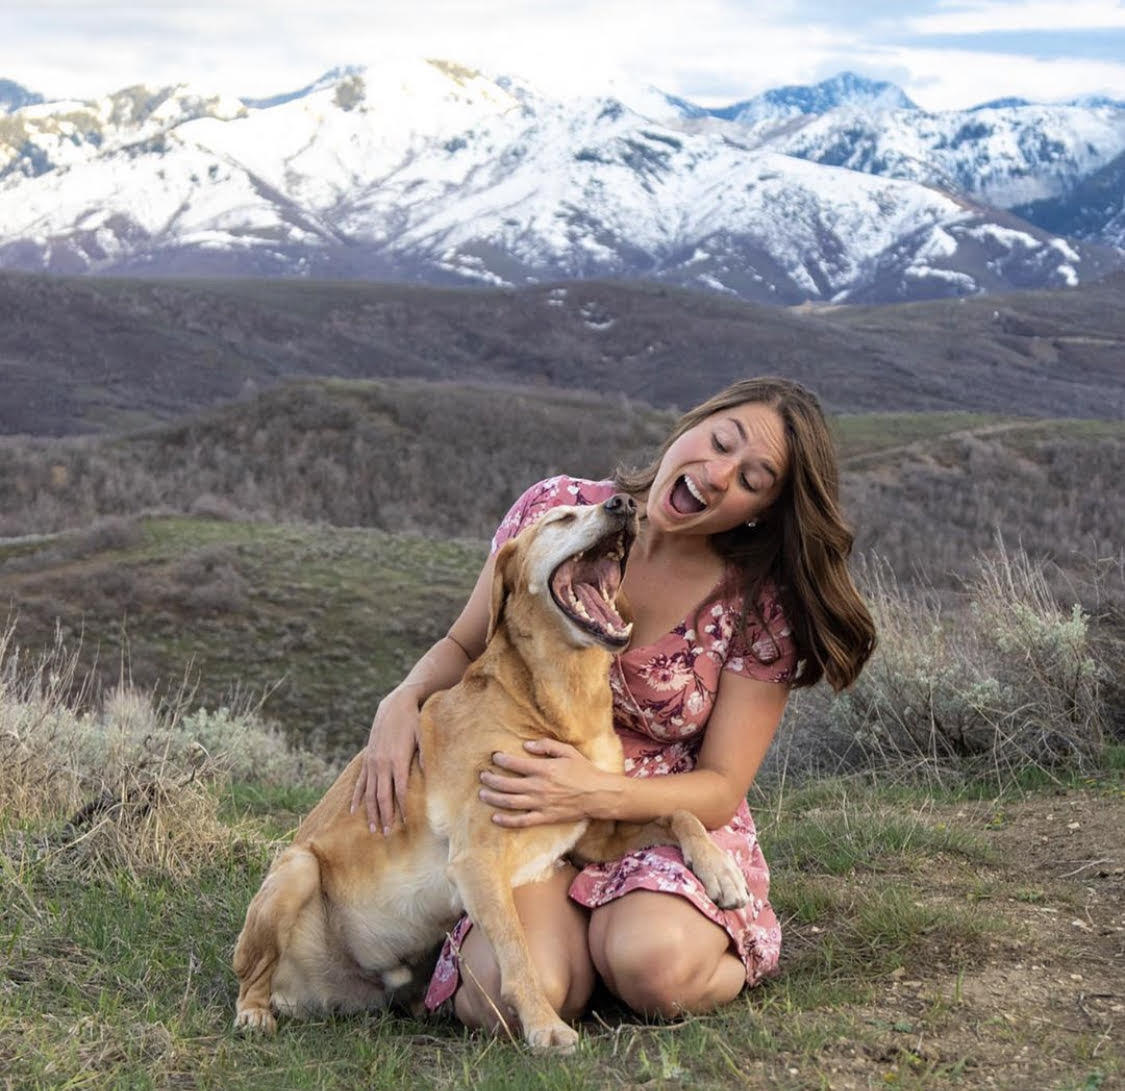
{"x": 655, "y": 544}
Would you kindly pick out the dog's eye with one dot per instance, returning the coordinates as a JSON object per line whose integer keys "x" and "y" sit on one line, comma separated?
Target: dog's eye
{"x": 565, "y": 517}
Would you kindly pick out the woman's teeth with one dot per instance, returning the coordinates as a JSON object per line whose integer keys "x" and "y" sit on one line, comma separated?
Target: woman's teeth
{"x": 691, "y": 487}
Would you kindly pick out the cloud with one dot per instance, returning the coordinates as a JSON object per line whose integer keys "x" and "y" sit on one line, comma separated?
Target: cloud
{"x": 943, "y": 53}
{"x": 990, "y": 16}
{"x": 1103, "y": 44}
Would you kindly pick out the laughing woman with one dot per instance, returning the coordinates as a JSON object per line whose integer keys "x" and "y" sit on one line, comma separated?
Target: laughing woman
{"x": 739, "y": 589}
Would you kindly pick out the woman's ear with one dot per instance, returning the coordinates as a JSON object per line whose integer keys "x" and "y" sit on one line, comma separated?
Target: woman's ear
{"x": 503, "y": 571}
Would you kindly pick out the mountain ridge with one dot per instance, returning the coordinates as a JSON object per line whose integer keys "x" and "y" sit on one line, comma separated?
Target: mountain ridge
{"x": 429, "y": 171}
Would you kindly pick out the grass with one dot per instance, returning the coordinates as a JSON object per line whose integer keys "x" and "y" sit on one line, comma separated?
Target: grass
{"x": 859, "y": 434}
{"x": 122, "y": 978}
{"x": 929, "y": 924}
{"x": 309, "y": 620}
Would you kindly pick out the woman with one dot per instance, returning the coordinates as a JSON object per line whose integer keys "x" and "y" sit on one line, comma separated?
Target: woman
{"x": 739, "y": 590}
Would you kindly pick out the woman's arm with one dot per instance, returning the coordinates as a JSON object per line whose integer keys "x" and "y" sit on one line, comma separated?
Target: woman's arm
{"x": 385, "y": 769}
{"x": 555, "y": 783}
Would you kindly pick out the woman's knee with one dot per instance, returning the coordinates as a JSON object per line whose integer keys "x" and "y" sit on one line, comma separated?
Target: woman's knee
{"x": 653, "y": 974}
{"x": 477, "y": 1002}
{"x": 664, "y": 963}
{"x": 567, "y": 984}
{"x": 555, "y": 930}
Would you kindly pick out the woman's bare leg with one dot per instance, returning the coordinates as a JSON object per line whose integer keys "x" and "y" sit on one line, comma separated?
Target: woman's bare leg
{"x": 663, "y": 957}
{"x": 556, "y": 935}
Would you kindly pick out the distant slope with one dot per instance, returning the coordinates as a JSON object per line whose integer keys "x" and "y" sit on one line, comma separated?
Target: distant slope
{"x": 320, "y": 621}
{"x": 84, "y": 355}
{"x": 336, "y": 615}
{"x": 445, "y": 459}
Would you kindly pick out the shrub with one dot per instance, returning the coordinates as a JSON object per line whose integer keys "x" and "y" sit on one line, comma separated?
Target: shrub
{"x": 131, "y": 782}
{"x": 1008, "y": 681}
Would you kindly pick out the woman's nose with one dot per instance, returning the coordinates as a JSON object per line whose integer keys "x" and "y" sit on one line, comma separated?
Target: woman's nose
{"x": 719, "y": 472}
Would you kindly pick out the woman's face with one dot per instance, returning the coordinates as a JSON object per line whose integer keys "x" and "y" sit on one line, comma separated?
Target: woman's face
{"x": 726, "y": 470}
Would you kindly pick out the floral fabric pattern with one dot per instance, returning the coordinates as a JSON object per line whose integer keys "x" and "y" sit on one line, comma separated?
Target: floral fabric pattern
{"x": 663, "y": 694}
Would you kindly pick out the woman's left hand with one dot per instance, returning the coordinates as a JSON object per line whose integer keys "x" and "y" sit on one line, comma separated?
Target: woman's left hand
{"x": 550, "y": 782}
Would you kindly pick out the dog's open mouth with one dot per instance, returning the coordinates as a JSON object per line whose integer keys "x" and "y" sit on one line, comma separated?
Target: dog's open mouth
{"x": 585, "y": 588}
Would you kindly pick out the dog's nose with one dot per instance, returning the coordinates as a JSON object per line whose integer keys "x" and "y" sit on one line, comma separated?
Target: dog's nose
{"x": 620, "y": 504}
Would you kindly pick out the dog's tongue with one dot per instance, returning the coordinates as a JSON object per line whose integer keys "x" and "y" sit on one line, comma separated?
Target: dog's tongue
{"x": 683, "y": 501}
{"x": 598, "y": 609}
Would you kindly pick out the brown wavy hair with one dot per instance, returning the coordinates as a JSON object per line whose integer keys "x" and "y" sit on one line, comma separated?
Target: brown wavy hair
{"x": 801, "y": 545}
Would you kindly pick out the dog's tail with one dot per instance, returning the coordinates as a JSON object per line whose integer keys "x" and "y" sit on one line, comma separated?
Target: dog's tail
{"x": 265, "y": 937}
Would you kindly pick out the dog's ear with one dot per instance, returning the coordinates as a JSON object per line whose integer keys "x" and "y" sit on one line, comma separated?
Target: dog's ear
{"x": 503, "y": 575}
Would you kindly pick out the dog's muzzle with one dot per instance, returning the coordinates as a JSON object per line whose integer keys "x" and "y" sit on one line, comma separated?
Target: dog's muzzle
{"x": 585, "y": 586}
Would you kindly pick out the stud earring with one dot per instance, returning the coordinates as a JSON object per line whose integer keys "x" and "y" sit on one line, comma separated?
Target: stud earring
{"x": 752, "y": 523}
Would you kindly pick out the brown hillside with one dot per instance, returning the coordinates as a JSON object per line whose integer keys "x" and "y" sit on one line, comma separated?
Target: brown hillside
{"x": 94, "y": 355}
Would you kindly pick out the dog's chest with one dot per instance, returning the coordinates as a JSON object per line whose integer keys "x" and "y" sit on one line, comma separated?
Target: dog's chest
{"x": 545, "y": 853}
{"x": 400, "y": 914}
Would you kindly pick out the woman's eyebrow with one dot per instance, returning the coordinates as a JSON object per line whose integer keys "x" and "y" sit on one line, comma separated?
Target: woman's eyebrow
{"x": 768, "y": 467}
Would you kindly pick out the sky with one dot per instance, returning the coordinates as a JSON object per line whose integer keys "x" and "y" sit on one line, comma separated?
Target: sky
{"x": 945, "y": 54}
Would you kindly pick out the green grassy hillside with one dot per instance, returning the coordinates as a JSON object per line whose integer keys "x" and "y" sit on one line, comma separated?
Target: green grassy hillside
{"x": 318, "y": 622}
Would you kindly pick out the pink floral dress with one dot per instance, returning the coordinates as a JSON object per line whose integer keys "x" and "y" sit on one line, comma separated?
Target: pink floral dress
{"x": 662, "y": 696}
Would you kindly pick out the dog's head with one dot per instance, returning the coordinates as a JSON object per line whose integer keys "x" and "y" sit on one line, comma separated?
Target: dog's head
{"x": 571, "y": 562}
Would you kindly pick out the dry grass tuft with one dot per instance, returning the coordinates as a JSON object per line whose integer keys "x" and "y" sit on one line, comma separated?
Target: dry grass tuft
{"x": 1008, "y": 683}
{"x": 124, "y": 783}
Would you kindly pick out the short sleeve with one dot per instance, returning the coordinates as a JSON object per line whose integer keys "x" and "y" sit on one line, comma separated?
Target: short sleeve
{"x": 765, "y": 652}
{"x": 542, "y": 497}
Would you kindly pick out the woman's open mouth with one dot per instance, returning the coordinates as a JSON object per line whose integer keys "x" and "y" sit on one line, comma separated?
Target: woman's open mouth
{"x": 585, "y": 588}
{"x": 685, "y": 497}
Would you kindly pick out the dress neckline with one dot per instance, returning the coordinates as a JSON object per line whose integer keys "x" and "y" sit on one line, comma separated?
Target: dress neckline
{"x": 712, "y": 596}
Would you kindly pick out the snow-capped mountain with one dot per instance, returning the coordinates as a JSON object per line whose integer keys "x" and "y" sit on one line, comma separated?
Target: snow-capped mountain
{"x": 1002, "y": 155}
{"x": 13, "y": 97}
{"x": 845, "y": 90}
{"x": 432, "y": 171}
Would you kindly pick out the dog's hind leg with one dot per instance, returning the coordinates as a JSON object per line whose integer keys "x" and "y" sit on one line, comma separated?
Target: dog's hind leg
{"x": 488, "y": 900}
{"x": 273, "y": 914}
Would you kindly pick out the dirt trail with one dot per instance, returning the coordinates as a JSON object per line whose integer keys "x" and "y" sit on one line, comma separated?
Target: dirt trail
{"x": 921, "y": 448}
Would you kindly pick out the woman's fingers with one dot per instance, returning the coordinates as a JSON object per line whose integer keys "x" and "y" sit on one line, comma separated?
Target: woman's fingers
{"x": 520, "y": 819}
{"x": 518, "y": 763}
{"x": 507, "y": 800}
{"x": 384, "y": 798}
{"x": 550, "y": 748}
{"x": 400, "y": 777}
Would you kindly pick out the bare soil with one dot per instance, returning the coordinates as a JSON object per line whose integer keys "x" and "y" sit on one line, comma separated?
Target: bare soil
{"x": 1044, "y": 1006}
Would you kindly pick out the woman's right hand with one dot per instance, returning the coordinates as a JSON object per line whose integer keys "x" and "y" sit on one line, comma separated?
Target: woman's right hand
{"x": 385, "y": 768}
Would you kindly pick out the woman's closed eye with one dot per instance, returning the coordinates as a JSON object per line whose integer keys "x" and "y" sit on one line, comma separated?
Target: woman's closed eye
{"x": 722, "y": 447}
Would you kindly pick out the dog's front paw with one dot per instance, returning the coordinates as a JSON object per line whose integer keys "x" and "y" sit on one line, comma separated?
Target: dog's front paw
{"x": 720, "y": 875}
{"x": 255, "y": 1020}
{"x": 556, "y": 1037}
